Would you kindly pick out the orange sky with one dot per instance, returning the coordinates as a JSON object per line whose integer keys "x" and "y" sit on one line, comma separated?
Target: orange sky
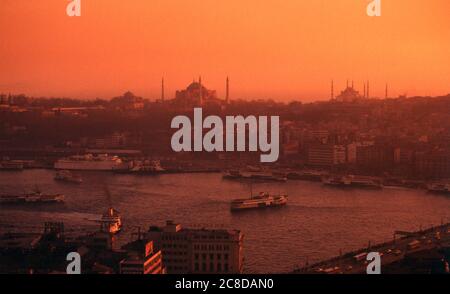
{"x": 281, "y": 49}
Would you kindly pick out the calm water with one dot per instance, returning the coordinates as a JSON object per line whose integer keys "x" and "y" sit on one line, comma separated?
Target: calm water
{"x": 316, "y": 224}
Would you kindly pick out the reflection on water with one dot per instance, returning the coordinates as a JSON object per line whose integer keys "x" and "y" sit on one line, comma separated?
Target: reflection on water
{"x": 316, "y": 224}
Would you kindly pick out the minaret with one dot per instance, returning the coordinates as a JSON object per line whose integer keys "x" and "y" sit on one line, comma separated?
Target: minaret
{"x": 162, "y": 89}
{"x": 386, "y": 94}
{"x": 364, "y": 90}
{"x": 352, "y": 85}
{"x": 332, "y": 89}
{"x": 227, "y": 94}
{"x": 368, "y": 95}
{"x": 347, "y": 83}
{"x": 201, "y": 90}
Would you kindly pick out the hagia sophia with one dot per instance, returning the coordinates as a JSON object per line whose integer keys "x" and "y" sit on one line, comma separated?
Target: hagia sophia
{"x": 197, "y": 95}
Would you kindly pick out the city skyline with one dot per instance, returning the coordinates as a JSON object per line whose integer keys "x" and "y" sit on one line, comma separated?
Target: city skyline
{"x": 361, "y": 89}
{"x": 114, "y": 47}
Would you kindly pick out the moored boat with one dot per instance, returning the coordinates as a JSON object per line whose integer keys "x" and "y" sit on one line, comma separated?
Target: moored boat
{"x": 351, "y": 181}
{"x": 254, "y": 176}
{"x": 101, "y": 162}
{"x": 439, "y": 188}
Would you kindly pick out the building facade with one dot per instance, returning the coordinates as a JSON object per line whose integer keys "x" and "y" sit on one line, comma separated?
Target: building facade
{"x": 198, "y": 251}
{"x": 323, "y": 155}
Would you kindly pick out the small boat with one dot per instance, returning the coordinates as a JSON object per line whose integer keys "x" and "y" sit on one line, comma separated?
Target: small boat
{"x": 111, "y": 221}
{"x": 439, "y": 188}
{"x": 263, "y": 200}
{"x": 67, "y": 176}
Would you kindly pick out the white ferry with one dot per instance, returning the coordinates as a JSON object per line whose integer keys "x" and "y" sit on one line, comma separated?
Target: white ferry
{"x": 263, "y": 200}
{"x": 101, "y": 162}
{"x": 111, "y": 221}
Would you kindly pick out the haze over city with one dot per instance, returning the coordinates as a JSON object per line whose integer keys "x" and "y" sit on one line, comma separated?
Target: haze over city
{"x": 281, "y": 50}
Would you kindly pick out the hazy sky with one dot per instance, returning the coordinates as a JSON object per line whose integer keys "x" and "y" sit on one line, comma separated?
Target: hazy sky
{"x": 281, "y": 49}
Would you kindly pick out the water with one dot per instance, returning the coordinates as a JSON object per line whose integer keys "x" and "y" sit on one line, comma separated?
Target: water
{"x": 317, "y": 223}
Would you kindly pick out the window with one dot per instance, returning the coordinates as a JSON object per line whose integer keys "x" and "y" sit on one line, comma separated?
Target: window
{"x": 197, "y": 267}
{"x": 211, "y": 267}
{"x": 204, "y": 267}
{"x": 219, "y": 267}
{"x": 226, "y": 267}
{"x": 196, "y": 256}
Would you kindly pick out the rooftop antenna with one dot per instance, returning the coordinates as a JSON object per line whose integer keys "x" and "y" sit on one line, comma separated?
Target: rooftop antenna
{"x": 332, "y": 89}
{"x": 201, "y": 90}
{"x": 227, "y": 95}
{"x": 162, "y": 89}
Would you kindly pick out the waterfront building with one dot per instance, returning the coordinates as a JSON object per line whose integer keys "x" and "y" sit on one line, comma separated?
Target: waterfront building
{"x": 433, "y": 164}
{"x": 198, "y": 251}
{"x": 326, "y": 155}
{"x": 375, "y": 158}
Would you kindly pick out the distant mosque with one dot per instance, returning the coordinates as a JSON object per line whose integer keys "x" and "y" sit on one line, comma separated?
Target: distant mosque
{"x": 197, "y": 95}
{"x": 349, "y": 94}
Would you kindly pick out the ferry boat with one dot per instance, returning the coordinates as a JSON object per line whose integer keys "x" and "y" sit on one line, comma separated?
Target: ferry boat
{"x": 101, "y": 162}
{"x": 11, "y": 165}
{"x": 351, "y": 181}
{"x": 36, "y": 197}
{"x": 439, "y": 188}
{"x": 263, "y": 200}
{"x": 67, "y": 176}
{"x": 111, "y": 221}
